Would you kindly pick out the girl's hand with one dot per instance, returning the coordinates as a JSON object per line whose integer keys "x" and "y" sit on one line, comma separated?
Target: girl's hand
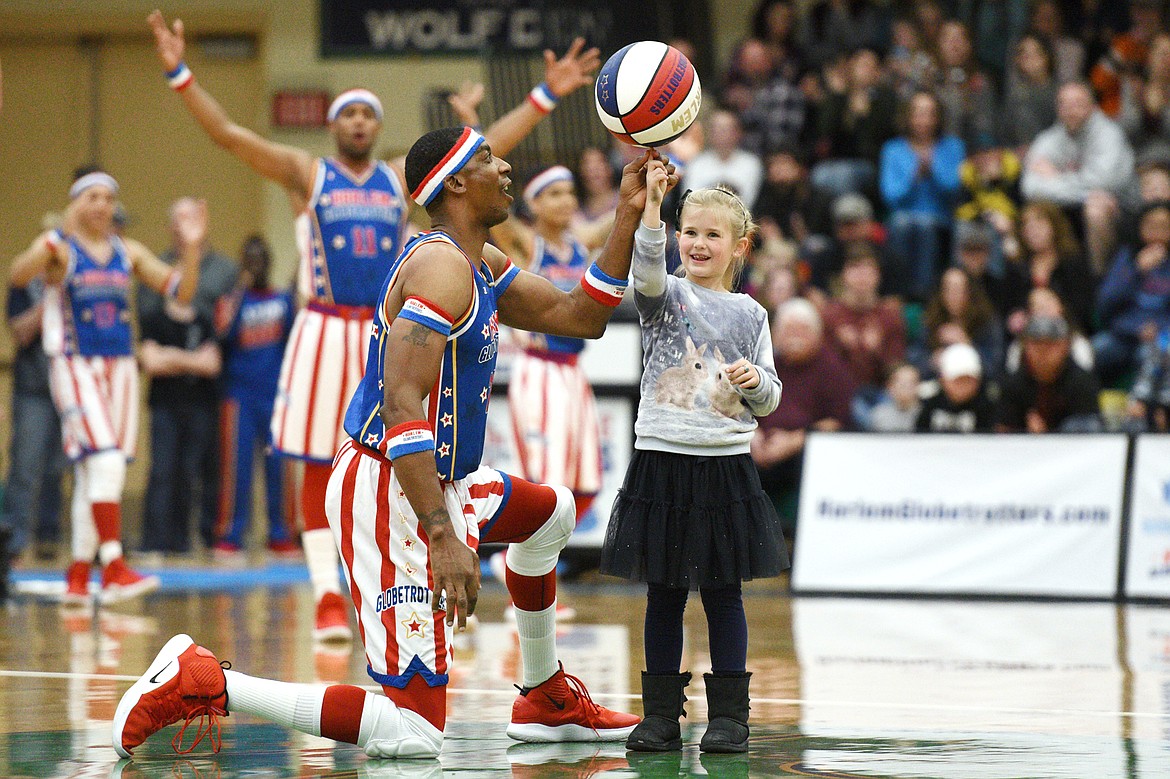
{"x": 656, "y": 183}
{"x": 742, "y": 373}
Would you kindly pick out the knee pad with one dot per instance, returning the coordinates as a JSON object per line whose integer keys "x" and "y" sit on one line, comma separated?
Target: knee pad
{"x": 105, "y": 476}
{"x": 388, "y": 731}
{"x": 539, "y": 554}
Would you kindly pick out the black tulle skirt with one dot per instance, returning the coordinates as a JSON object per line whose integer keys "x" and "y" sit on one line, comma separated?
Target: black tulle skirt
{"x": 686, "y": 521}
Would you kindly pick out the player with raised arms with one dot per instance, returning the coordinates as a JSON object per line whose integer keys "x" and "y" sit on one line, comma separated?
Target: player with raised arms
{"x": 352, "y": 212}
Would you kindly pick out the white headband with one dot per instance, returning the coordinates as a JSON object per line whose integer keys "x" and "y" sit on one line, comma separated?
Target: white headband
{"x": 543, "y": 180}
{"x": 429, "y": 188}
{"x": 351, "y": 96}
{"x": 95, "y": 179}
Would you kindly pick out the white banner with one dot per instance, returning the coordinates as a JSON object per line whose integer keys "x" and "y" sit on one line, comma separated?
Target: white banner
{"x": 972, "y": 514}
{"x": 1147, "y": 568}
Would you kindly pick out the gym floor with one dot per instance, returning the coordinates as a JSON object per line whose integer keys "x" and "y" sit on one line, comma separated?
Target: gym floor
{"x": 842, "y": 687}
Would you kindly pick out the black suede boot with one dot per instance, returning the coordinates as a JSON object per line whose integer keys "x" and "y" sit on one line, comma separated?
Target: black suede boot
{"x": 727, "y": 713}
{"x": 662, "y": 705}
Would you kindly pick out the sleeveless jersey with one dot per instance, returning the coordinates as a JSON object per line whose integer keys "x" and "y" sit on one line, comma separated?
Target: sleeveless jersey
{"x": 349, "y": 233}
{"x": 93, "y": 316}
{"x": 456, "y": 407}
{"x": 255, "y": 340}
{"x": 564, "y": 276}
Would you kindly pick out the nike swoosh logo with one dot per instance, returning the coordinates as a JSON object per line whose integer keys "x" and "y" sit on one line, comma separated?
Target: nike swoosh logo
{"x": 559, "y": 704}
{"x": 154, "y": 679}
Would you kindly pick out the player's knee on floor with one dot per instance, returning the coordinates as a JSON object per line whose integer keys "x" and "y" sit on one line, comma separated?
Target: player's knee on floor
{"x": 105, "y": 474}
{"x": 388, "y": 731}
{"x": 539, "y": 553}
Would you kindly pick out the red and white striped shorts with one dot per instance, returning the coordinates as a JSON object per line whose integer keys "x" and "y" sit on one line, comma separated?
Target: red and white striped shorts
{"x": 554, "y": 422}
{"x": 323, "y": 363}
{"x": 97, "y": 400}
{"x": 386, "y": 559}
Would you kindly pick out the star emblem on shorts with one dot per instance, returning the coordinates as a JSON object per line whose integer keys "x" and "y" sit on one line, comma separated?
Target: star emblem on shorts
{"x": 447, "y": 420}
{"x": 372, "y": 439}
{"x": 414, "y": 626}
{"x": 410, "y": 570}
{"x": 445, "y": 450}
{"x": 408, "y": 544}
{"x": 446, "y": 392}
{"x": 483, "y": 396}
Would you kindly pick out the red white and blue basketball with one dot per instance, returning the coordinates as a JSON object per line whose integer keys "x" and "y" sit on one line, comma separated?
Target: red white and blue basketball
{"x": 648, "y": 94}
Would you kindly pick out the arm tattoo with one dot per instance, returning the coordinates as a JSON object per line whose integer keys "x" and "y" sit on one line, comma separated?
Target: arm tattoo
{"x": 434, "y": 519}
{"x": 417, "y": 335}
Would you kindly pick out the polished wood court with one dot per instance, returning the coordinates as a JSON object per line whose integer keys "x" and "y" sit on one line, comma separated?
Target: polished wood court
{"x": 842, "y": 687}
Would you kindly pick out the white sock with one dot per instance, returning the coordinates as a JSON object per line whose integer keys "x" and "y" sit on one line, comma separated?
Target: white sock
{"x": 322, "y": 559}
{"x": 84, "y": 542}
{"x": 109, "y": 551}
{"x": 296, "y": 706}
{"x": 538, "y": 644}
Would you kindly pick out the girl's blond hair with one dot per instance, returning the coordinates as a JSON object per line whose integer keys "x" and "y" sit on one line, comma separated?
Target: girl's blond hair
{"x": 738, "y": 218}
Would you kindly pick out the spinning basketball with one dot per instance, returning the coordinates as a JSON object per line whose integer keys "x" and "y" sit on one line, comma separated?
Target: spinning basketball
{"x": 648, "y": 94}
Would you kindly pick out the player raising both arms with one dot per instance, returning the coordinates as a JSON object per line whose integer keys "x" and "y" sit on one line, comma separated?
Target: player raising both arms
{"x": 352, "y": 213}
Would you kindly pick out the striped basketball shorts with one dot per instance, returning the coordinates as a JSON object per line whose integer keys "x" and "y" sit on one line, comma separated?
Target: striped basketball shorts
{"x": 97, "y": 400}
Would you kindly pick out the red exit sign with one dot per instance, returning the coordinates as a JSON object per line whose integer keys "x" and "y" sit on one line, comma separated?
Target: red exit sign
{"x": 300, "y": 109}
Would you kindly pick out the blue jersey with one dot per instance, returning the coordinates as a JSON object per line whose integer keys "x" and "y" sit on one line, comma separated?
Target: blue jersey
{"x": 349, "y": 233}
{"x": 95, "y": 315}
{"x": 457, "y": 405}
{"x": 254, "y": 339}
{"x": 565, "y": 272}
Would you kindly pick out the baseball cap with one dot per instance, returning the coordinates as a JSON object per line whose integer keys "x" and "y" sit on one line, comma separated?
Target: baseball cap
{"x": 959, "y": 360}
{"x": 1046, "y": 328}
{"x": 852, "y": 207}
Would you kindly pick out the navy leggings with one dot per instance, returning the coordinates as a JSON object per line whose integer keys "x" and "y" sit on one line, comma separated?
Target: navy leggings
{"x": 726, "y": 628}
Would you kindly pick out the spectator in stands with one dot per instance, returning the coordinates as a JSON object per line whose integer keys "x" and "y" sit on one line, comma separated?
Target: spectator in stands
{"x": 929, "y": 18}
{"x": 1029, "y": 104}
{"x": 1126, "y": 55}
{"x": 897, "y": 412}
{"x": 831, "y": 28}
{"x": 1043, "y": 302}
{"x": 909, "y": 65}
{"x": 1150, "y": 185}
{"x": 770, "y": 104}
{"x": 919, "y": 180}
{"x": 818, "y": 390}
{"x": 1148, "y": 406}
{"x": 990, "y": 192}
{"x": 1133, "y": 303}
{"x": 975, "y": 243}
{"x": 1049, "y": 392}
{"x": 966, "y": 93}
{"x": 1068, "y": 53}
{"x": 1049, "y": 256}
{"x": 960, "y": 313}
{"x": 959, "y": 402}
{"x": 786, "y": 206}
{"x": 857, "y": 116}
{"x": 1081, "y": 163}
{"x": 1145, "y": 98}
{"x": 774, "y": 24}
{"x": 852, "y": 220}
{"x": 597, "y": 195}
{"x": 867, "y": 331}
{"x": 993, "y": 26}
{"x": 723, "y": 162}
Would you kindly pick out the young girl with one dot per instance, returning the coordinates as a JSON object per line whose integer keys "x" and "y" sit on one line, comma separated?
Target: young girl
{"x": 92, "y": 373}
{"x": 692, "y": 514}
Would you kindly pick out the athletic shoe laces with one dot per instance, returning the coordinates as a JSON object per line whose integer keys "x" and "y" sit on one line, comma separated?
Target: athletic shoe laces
{"x": 190, "y": 709}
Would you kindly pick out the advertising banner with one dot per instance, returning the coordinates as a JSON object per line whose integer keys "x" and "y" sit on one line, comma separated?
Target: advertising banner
{"x": 1147, "y": 568}
{"x": 972, "y": 514}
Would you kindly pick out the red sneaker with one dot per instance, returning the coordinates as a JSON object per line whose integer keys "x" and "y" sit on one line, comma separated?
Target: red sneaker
{"x": 332, "y": 619}
{"x": 560, "y": 709}
{"x": 76, "y": 584}
{"x": 120, "y": 581}
{"x": 184, "y": 682}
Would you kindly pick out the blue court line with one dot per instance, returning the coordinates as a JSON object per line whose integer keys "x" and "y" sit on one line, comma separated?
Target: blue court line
{"x": 199, "y": 579}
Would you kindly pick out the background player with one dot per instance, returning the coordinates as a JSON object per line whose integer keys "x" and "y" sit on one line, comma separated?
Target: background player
{"x": 351, "y": 217}
{"x": 93, "y": 374}
{"x": 408, "y": 500}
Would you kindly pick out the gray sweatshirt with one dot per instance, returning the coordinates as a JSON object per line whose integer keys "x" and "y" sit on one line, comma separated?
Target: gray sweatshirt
{"x": 689, "y": 333}
{"x": 1097, "y": 157}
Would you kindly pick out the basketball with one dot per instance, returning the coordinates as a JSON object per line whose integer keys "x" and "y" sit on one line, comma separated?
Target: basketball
{"x": 648, "y": 94}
